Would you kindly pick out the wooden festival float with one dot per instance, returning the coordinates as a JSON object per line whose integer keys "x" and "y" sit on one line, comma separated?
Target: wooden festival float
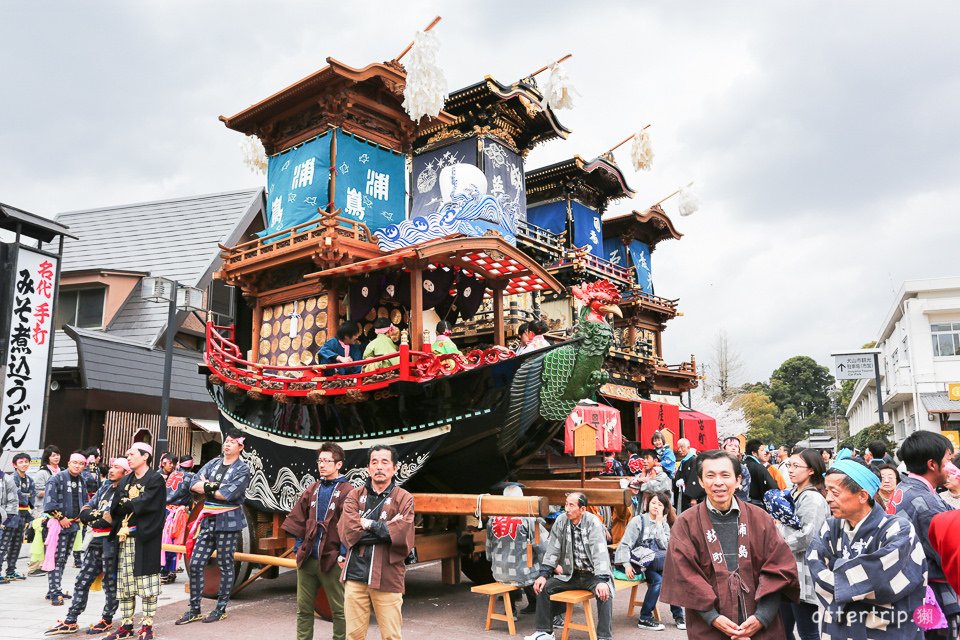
{"x": 373, "y": 214}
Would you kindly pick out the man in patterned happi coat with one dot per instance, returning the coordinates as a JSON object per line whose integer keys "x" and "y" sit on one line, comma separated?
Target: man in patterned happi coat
{"x": 868, "y": 567}
{"x": 223, "y": 483}
{"x": 515, "y": 549}
{"x": 65, "y": 495}
{"x": 100, "y": 558}
{"x": 727, "y": 564}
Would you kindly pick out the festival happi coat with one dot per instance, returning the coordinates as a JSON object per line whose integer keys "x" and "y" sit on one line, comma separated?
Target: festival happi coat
{"x": 870, "y": 584}
{"x": 514, "y": 550}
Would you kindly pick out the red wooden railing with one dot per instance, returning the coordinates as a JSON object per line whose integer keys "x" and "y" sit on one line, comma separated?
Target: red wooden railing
{"x": 224, "y": 359}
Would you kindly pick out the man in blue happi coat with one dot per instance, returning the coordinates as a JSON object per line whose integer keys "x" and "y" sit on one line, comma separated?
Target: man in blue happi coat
{"x": 342, "y": 349}
{"x": 868, "y": 567}
{"x": 66, "y": 493}
{"x": 925, "y": 455}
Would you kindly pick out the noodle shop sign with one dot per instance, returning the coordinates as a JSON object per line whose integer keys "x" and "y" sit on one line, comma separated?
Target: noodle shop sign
{"x": 27, "y": 345}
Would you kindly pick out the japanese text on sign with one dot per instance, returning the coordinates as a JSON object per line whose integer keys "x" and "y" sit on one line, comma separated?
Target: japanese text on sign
{"x": 853, "y": 366}
{"x": 26, "y": 369}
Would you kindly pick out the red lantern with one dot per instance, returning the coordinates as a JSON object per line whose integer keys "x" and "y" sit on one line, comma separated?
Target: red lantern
{"x": 603, "y": 420}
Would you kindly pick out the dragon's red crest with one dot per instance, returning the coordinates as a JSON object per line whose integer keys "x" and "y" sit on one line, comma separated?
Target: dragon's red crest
{"x": 602, "y": 291}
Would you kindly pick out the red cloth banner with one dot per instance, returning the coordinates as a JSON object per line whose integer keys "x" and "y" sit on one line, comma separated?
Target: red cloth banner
{"x": 657, "y": 416}
{"x": 700, "y": 429}
{"x": 606, "y": 420}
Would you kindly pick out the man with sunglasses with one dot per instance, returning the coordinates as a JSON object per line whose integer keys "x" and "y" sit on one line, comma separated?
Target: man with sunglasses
{"x": 313, "y": 522}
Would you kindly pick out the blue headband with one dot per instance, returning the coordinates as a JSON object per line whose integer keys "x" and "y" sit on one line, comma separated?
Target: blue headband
{"x": 844, "y": 454}
{"x": 860, "y": 474}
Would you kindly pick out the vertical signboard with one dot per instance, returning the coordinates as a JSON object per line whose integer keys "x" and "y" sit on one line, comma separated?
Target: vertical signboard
{"x": 28, "y": 340}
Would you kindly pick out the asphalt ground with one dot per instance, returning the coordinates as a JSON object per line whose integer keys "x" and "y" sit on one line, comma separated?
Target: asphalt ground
{"x": 267, "y": 609}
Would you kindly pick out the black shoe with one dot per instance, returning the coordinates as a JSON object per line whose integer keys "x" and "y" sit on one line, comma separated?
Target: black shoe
{"x": 530, "y": 608}
{"x": 190, "y": 616}
{"x": 652, "y": 625}
{"x": 62, "y": 629}
{"x": 170, "y": 578}
{"x": 216, "y": 615}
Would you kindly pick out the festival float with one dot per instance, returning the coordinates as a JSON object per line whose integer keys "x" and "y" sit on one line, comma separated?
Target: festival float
{"x": 388, "y": 197}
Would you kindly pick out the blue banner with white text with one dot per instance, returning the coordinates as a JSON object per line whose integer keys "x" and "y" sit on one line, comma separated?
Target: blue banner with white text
{"x": 587, "y": 231}
{"x": 371, "y": 182}
{"x": 640, "y": 257}
{"x": 298, "y": 183}
{"x": 551, "y": 216}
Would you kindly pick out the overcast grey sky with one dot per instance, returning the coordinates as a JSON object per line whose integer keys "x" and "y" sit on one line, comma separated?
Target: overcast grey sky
{"x": 823, "y": 138}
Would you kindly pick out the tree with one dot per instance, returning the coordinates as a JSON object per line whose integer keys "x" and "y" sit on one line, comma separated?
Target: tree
{"x": 877, "y": 431}
{"x": 762, "y": 415}
{"x": 802, "y": 384}
{"x": 726, "y": 365}
{"x": 730, "y": 420}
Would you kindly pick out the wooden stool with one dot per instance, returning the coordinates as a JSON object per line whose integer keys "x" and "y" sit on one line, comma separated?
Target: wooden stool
{"x": 493, "y": 590}
{"x": 634, "y": 586}
{"x": 571, "y": 598}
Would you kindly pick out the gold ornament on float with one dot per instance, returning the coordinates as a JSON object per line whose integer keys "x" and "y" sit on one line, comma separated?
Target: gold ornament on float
{"x": 308, "y": 322}
{"x": 306, "y": 357}
{"x": 311, "y": 304}
{"x": 268, "y": 314}
{"x": 307, "y": 340}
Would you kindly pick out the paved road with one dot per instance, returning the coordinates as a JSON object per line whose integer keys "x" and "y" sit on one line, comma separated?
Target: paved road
{"x": 432, "y": 611}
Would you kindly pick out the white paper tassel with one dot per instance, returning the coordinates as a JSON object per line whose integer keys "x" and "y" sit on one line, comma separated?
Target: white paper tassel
{"x": 640, "y": 151}
{"x": 426, "y": 87}
{"x": 254, "y": 155}
{"x": 558, "y": 92}
{"x": 689, "y": 204}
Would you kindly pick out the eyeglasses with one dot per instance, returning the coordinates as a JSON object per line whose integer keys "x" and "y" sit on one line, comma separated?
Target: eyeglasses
{"x": 794, "y": 465}
{"x": 325, "y": 461}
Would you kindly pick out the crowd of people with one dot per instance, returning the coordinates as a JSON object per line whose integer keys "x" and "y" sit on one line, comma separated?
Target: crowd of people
{"x": 767, "y": 542}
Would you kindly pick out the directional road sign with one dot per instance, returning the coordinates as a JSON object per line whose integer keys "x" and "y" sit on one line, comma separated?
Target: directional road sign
{"x": 854, "y": 366}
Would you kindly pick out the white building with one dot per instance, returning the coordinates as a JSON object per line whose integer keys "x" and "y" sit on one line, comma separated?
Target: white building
{"x": 919, "y": 344}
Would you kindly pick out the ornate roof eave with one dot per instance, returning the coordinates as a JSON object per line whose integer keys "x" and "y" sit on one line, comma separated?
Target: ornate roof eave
{"x": 527, "y": 113}
{"x": 601, "y": 173}
{"x": 651, "y": 225}
{"x": 391, "y": 74}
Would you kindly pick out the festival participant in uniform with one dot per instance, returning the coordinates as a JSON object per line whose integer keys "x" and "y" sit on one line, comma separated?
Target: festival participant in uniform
{"x": 342, "y": 348}
{"x": 168, "y": 462}
{"x": 443, "y": 343}
{"x": 383, "y": 345}
{"x": 576, "y": 557}
{"x": 136, "y": 518}
{"x": 868, "y": 567}
{"x": 515, "y": 548}
{"x": 179, "y": 500}
{"x": 223, "y": 482}
{"x": 100, "y": 557}
{"x": 634, "y": 461}
{"x": 65, "y": 495}
{"x": 727, "y": 564}
{"x": 926, "y": 455}
{"x": 612, "y": 466}
{"x": 314, "y": 521}
{"x": 26, "y": 497}
{"x": 377, "y": 528}
{"x": 810, "y": 511}
{"x": 9, "y": 514}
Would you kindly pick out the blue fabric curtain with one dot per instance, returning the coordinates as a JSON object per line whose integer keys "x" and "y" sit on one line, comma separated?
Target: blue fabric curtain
{"x": 298, "y": 182}
{"x": 640, "y": 257}
{"x": 504, "y": 171}
{"x": 551, "y": 216}
{"x": 586, "y": 229}
{"x": 371, "y": 182}
{"x": 425, "y": 183}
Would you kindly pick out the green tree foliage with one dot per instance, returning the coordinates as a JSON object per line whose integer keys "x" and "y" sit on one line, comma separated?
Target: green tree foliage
{"x": 802, "y": 384}
{"x": 877, "y": 431}
{"x": 762, "y": 415}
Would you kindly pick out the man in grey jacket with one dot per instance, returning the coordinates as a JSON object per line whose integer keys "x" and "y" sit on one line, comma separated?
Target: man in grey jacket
{"x": 9, "y": 515}
{"x": 576, "y": 558}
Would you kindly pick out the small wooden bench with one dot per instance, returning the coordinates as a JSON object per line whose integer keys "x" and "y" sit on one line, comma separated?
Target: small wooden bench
{"x": 634, "y": 586}
{"x": 575, "y": 597}
{"x": 495, "y": 590}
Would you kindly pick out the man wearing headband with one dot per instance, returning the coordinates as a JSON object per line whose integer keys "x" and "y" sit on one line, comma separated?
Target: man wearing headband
{"x": 179, "y": 501}
{"x": 222, "y": 482}
{"x": 26, "y": 497}
{"x": 99, "y": 559}
{"x": 136, "y": 518}
{"x": 383, "y": 345}
{"x": 168, "y": 462}
{"x": 868, "y": 567}
{"x": 65, "y": 495}
{"x": 926, "y": 455}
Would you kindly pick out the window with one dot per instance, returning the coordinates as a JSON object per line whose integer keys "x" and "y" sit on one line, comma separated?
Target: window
{"x": 946, "y": 339}
{"x": 81, "y": 308}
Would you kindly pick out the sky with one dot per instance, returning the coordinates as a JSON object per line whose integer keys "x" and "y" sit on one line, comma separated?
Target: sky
{"x": 823, "y": 137}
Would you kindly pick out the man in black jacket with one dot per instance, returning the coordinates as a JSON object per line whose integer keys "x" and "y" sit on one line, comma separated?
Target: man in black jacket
{"x": 760, "y": 479}
{"x": 686, "y": 483}
{"x": 136, "y": 516}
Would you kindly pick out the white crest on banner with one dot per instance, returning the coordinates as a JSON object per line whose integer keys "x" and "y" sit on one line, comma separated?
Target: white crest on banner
{"x": 688, "y": 202}
{"x": 426, "y": 88}
{"x": 254, "y": 155}
{"x": 559, "y": 91}
{"x": 640, "y": 152}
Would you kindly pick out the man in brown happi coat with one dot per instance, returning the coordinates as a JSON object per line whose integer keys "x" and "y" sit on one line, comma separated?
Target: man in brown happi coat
{"x": 726, "y": 562}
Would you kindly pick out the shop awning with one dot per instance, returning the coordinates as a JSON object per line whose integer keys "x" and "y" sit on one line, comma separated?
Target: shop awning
{"x": 700, "y": 429}
{"x": 620, "y": 392}
{"x": 210, "y": 426}
{"x": 939, "y": 403}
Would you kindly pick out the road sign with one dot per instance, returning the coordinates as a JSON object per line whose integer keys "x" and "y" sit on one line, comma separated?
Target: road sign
{"x": 854, "y": 366}
{"x": 954, "y": 390}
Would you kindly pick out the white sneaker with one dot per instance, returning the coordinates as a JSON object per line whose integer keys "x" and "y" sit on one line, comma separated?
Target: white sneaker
{"x": 539, "y": 635}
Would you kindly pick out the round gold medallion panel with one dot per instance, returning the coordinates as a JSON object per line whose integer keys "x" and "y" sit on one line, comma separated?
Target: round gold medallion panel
{"x": 284, "y": 343}
{"x": 306, "y": 357}
{"x": 307, "y": 340}
{"x": 308, "y": 322}
{"x": 285, "y": 326}
{"x": 264, "y": 346}
{"x": 295, "y": 343}
{"x": 282, "y": 360}
{"x": 288, "y": 308}
{"x": 322, "y": 319}
{"x": 276, "y": 327}
{"x": 274, "y": 344}
{"x": 294, "y": 360}
{"x": 268, "y": 314}
{"x": 311, "y": 304}
{"x": 265, "y": 330}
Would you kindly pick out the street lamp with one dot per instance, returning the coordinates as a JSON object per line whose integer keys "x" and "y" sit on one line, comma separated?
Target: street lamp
{"x": 178, "y": 298}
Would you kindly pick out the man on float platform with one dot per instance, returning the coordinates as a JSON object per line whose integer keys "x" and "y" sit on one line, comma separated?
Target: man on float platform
{"x": 223, "y": 482}
{"x": 726, "y": 561}
{"x": 868, "y": 567}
